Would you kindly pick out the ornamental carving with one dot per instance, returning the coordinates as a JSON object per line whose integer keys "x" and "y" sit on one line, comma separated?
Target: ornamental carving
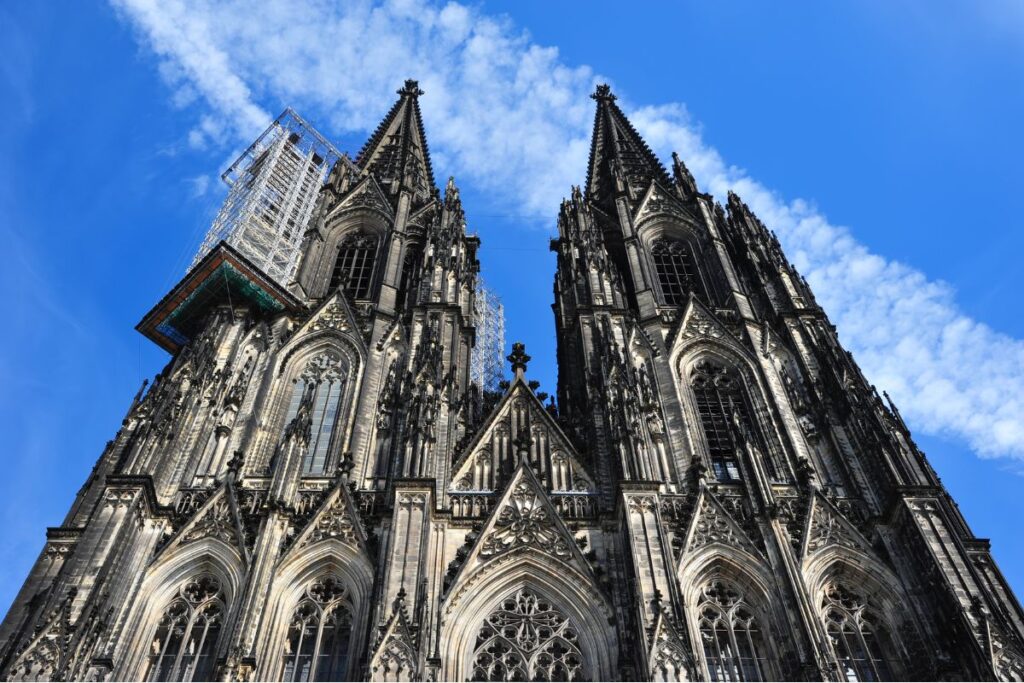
{"x": 526, "y": 638}
{"x": 216, "y": 522}
{"x": 525, "y": 522}
{"x": 713, "y": 526}
{"x": 334, "y": 522}
{"x": 828, "y": 529}
{"x": 700, "y": 325}
{"x": 331, "y": 317}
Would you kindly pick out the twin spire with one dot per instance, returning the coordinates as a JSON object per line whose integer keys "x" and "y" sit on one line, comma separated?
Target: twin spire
{"x": 397, "y": 152}
{"x": 618, "y": 155}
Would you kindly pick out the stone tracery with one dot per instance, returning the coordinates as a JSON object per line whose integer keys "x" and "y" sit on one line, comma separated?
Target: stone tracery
{"x": 527, "y": 638}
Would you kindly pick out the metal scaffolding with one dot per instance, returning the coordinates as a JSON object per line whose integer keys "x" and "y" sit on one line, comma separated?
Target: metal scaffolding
{"x": 273, "y": 191}
{"x": 487, "y": 364}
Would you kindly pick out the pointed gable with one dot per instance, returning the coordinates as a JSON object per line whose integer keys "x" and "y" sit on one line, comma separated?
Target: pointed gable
{"x": 712, "y": 523}
{"x": 827, "y": 526}
{"x": 520, "y": 422}
{"x": 657, "y": 201}
{"x": 668, "y": 659}
{"x": 618, "y": 153}
{"x": 697, "y": 322}
{"x": 366, "y": 194}
{"x": 333, "y": 314}
{"x": 524, "y": 520}
{"x": 335, "y": 519}
{"x": 397, "y": 151}
{"x": 218, "y": 518}
{"x": 395, "y": 655}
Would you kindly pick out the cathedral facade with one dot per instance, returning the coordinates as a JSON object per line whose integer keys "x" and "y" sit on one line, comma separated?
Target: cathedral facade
{"x": 314, "y": 488}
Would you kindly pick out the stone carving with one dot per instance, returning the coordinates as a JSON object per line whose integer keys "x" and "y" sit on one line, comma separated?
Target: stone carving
{"x": 526, "y": 638}
{"x": 525, "y": 521}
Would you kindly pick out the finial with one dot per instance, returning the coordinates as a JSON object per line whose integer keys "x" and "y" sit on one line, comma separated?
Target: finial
{"x": 518, "y": 358}
{"x": 604, "y": 93}
{"x": 412, "y": 88}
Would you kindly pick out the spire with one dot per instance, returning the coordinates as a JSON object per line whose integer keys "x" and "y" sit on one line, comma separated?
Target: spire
{"x": 397, "y": 151}
{"x": 618, "y": 154}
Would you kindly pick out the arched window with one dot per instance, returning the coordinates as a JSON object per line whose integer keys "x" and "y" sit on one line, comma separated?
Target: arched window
{"x": 720, "y": 400}
{"x": 317, "y": 648}
{"x": 185, "y": 643}
{"x": 733, "y": 640}
{"x": 859, "y": 638}
{"x": 674, "y": 266}
{"x": 527, "y": 639}
{"x": 353, "y": 269}
{"x": 322, "y": 384}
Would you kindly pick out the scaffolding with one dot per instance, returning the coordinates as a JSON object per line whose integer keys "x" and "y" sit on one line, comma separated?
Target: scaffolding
{"x": 487, "y": 364}
{"x": 273, "y": 190}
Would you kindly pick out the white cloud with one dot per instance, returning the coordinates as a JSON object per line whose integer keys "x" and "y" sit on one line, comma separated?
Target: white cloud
{"x": 508, "y": 115}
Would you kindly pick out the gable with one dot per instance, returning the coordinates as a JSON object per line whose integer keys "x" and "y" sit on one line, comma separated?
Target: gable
{"x": 827, "y": 526}
{"x": 335, "y": 519}
{"x": 525, "y": 521}
{"x": 217, "y": 518}
{"x": 658, "y": 201}
{"x": 365, "y": 195}
{"x": 520, "y": 422}
{"x": 712, "y": 523}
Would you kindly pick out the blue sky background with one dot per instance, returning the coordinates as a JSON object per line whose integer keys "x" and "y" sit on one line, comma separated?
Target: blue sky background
{"x": 899, "y": 119}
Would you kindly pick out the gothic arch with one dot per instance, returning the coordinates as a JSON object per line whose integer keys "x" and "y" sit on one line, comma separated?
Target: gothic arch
{"x": 339, "y": 227}
{"x": 292, "y": 361}
{"x": 464, "y": 611}
{"x": 729, "y": 355}
{"x": 753, "y": 599}
{"x": 327, "y": 558}
{"x": 207, "y": 556}
{"x": 660, "y": 231}
{"x": 836, "y": 569}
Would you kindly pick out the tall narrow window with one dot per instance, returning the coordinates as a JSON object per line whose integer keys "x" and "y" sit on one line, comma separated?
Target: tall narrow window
{"x": 673, "y": 264}
{"x": 858, "y": 637}
{"x": 410, "y": 277}
{"x": 732, "y": 638}
{"x": 353, "y": 269}
{"x": 322, "y": 383}
{"x": 185, "y": 643}
{"x": 527, "y": 639}
{"x": 719, "y": 397}
{"x": 319, "y": 634}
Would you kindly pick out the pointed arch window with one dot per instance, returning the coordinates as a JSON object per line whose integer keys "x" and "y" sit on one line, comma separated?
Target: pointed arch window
{"x": 353, "y": 269}
{"x": 720, "y": 400}
{"x": 322, "y": 385}
{"x": 319, "y": 635}
{"x": 526, "y": 638}
{"x": 185, "y": 644}
{"x": 732, "y": 638}
{"x": 858, "y": 636}
{"x": 673, "y": 264}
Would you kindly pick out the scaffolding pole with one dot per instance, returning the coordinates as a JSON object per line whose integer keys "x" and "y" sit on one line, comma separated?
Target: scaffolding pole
{"x": 273, "y": 187}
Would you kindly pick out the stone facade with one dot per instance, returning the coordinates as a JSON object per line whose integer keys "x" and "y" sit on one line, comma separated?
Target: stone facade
{"x": 313, "y": 489}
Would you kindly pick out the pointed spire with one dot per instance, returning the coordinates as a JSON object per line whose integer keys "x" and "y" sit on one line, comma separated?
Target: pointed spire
{"x": 619, "y": 157}
{"x": 397, "y": 151}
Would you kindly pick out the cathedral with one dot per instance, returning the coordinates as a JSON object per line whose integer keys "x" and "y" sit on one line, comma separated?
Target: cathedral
{"x": 314, "y": 489}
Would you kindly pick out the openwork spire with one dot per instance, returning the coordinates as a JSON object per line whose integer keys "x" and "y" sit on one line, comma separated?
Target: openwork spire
{"x": 397, "y": 151}
{"x": 618, "y": 154}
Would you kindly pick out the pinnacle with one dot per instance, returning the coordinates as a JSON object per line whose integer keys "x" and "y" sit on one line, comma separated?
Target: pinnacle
{"x": 411, "y": 89}
{"x": 603, "y": 93}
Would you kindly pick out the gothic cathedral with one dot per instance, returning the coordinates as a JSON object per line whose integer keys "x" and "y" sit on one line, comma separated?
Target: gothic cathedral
{"x": 314, "y": 489}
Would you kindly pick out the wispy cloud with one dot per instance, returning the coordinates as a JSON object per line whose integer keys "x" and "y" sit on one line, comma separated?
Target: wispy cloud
{"x": 507, "y": 114}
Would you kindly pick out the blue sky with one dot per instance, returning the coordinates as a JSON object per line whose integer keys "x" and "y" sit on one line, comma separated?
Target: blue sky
{"x": 896, "y": 119}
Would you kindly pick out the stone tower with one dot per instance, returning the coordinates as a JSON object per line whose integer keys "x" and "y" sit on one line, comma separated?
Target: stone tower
{"x": 314, "y": 488}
